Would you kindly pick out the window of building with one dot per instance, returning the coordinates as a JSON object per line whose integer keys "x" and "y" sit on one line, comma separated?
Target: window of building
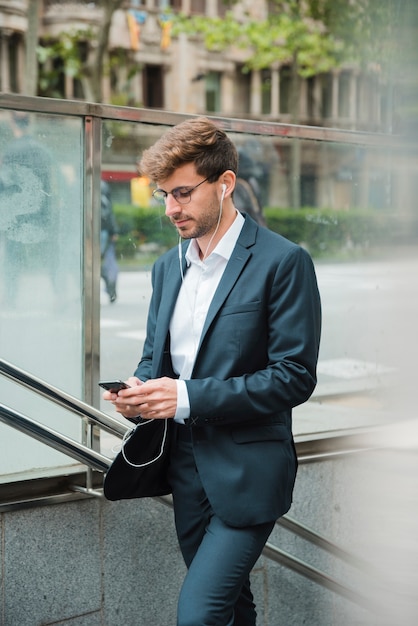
{"x": 55, "y": 82}
{"x": 198, "y": 6}
{"x": 385, "y": 104}
{"x": 152, "y": 77}
{"x": 344, "y": 94}
{"x": 14, "y": 45}
{"x": 223, "y": 7}
{"x": 242, "y": 91}
{"x": 174, "y": 4}
{"x": 312, "y": 105}
{"x": 360, "y": 112}
{"x": 213, "y": 92}
{"x": 365, "y": 99}
{"x": 285, "y": 89}
{"x": 308, "y": 184}
{"x": 326, "y": 95}
{"x": 157, "y": 4}
{"x": 52, "y": 79}
{"x": 266, "y": 92}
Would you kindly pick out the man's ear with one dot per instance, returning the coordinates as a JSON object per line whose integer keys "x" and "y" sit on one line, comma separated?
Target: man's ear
{"x": 227, "y": 180}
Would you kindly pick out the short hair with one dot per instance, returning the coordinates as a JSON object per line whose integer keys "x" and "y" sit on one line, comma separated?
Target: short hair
{"x": 197, "y": 140}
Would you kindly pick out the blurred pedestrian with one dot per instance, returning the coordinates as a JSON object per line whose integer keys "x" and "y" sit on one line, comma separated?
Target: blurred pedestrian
{"x": 247, "y": 196}
{"x": 108, "y": 236}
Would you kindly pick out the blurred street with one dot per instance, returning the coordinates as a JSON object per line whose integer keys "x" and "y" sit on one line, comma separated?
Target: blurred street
{"x": 369, "y": 332}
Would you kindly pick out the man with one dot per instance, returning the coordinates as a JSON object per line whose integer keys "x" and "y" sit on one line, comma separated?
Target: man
{"x": 232, "y": 344}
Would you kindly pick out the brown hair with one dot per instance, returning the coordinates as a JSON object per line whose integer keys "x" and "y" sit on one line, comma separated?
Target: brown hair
{"x": 198, "y": 141}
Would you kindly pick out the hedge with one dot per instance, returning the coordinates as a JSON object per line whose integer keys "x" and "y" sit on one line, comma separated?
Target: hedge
{"x": 139, "y": 226}
{"x": 324, "y": 232}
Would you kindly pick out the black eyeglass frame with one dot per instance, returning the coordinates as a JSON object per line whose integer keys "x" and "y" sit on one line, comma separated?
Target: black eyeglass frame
{"x": 182, "y": 195}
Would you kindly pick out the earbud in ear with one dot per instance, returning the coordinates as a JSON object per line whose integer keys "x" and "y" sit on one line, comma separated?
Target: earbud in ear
{"x": 223, "y": 188}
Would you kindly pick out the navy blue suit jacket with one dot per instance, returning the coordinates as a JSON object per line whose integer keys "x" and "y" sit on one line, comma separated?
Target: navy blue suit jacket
{"x": 256, "y": 360}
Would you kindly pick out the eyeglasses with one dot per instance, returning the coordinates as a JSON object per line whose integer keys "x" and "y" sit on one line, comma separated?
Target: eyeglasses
{"x": 182, "y": 195}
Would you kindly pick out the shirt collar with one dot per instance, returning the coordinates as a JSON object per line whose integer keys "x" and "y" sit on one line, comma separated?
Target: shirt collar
{"x": 224, "y": 246}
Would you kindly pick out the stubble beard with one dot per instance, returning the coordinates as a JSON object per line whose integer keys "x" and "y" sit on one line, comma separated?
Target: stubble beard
{"x": 203, "y": 226}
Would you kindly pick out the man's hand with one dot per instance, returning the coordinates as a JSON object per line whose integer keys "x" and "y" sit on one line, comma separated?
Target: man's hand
{"x": 156, "y": 399}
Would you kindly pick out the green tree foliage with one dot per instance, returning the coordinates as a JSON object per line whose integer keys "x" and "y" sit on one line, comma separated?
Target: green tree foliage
{"x": 312, "y": 37}
{"x": 316, "y": 34}
{"x": 96, "y": 67}
{"x": 292, "y": 31}
{"x": 289, "y": 32}
{"x": 61, "y": 56}
{"x": 79, "y": 54}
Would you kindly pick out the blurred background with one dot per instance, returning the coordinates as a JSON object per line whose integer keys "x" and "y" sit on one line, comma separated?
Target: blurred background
{"x": 321, "y": 99}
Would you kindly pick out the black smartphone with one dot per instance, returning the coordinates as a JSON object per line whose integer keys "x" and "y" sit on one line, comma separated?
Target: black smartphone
{"x": 113, "y": 385}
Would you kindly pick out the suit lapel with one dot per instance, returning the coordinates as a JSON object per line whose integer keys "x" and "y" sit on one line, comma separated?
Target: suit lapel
{"x": 170, "y": 290}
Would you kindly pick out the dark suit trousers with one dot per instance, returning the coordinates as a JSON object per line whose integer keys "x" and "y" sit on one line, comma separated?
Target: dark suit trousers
{"x": 216, "y": 590}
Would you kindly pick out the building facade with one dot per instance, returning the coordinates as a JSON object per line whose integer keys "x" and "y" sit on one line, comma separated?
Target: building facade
{"x": 148, "y": 67}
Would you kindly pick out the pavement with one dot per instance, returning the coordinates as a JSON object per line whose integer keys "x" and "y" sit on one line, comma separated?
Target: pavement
{"x": 369, "y": 326}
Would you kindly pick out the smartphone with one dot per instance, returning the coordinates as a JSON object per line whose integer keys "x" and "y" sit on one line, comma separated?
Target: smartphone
{"x": 113, "y": 385}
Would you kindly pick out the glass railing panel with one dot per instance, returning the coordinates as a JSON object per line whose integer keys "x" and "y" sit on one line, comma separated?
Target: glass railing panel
{"x": 41, "y": 282}
{"x": 349, "y": 199}
{"x": 350, "y": 204}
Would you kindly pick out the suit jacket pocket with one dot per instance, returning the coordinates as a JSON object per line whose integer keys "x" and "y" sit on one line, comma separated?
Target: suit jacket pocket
{"x": 271, "y": 432}
{"x": 244, "y": 307}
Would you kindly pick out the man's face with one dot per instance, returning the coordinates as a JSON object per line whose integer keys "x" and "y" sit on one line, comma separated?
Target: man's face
{"x": 199, "y": 217}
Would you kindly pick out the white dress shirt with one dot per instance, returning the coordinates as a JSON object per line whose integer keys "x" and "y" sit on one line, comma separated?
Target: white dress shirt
{"x": 199, "y": 284}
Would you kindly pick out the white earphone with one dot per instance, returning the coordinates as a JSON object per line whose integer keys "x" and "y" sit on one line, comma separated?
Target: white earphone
{"x": 223, "y": 193}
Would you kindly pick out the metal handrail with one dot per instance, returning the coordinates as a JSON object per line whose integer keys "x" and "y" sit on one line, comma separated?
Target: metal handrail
{"x": 167, "y": 118}
{"x": 56, "y": 440}
{"x": 319, "y": 540}
{"x": 304, "y": 569}
{"x": 62, "y": 398}
{"x": 95, "y": 460}
{"x": 306, "y": 454}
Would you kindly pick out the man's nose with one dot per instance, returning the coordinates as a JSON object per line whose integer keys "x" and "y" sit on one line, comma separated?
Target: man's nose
{"x": 171, "y": 206}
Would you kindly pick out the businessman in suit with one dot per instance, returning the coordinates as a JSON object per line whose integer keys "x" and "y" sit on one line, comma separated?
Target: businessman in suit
{"x": 232, "y": 344}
